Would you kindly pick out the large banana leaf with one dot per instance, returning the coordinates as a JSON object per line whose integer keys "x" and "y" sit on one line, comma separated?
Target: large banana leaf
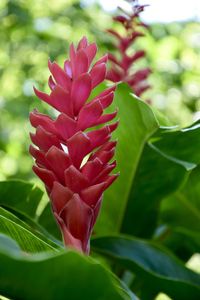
{"x": 158, "y": 270}
{"x": 137, "y": 124}
{"x": 151, "y": 167}
{"x": 65, "y": 275}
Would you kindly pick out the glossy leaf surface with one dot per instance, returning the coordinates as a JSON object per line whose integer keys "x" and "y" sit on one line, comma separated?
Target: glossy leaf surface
{"x": 65, "y": 275}
{"x": 158, "y": 269}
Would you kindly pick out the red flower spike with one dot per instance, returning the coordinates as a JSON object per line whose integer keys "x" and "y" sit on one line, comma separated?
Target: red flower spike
{"x": 71, "y": 159}
{"x": 60, "y": 195}
{"x": 122, "y": 69}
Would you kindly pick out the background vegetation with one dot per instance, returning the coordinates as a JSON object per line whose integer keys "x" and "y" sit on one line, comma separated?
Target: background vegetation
{"x": 33, "y": 31}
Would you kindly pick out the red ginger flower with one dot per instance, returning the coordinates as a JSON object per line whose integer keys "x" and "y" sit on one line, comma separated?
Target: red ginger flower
{"x": 73, "y": 162}
{"x": 121, "y": 69}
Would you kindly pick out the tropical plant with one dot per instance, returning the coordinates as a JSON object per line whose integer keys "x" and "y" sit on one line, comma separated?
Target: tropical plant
{"x": 147, "y": 226}
{"x": 71, "y": 161}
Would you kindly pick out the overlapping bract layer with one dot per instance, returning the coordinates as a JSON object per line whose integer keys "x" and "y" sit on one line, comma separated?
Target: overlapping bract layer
{"x": 72, "y": 161}
{"x": 121, "y": 68}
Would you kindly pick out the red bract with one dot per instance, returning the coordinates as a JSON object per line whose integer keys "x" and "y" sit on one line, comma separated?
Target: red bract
{"x": 122, "y": 67}
{"x": 72, "y": 161}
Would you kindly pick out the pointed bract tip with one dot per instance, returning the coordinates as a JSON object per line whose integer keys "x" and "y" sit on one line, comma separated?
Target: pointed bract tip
{"x": 70, "y": 158}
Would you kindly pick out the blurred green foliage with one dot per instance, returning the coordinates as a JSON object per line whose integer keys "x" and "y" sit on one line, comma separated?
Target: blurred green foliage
{"x": 174, "y": 55}
{"x": 33, "y": 31}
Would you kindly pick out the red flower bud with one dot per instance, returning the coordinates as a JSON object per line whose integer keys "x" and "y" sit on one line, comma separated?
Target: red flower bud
{"x": 72, "y": 161}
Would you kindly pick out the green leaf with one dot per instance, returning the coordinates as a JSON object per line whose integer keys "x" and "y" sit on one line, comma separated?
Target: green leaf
{"x": 162, "y": 118}
{"x": 183, "y": 242}
{"x": 19, "y": 201}
{"x": 149, "y": 188}
{"x": 65, "y": 275}
{"x": 8, "y": 245}
{"x": 47, "y": 221}
{"x": 181, "y": 213}
{"x": 149, "y": 169}
{"x": 183, "y": 208}
{"x": 180, "y": 143}
{"x": 137, "y": 124}
{"x": 28, "y": 239}
{"x": 158, "y": 269}
{"x": 20, "y": 196}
